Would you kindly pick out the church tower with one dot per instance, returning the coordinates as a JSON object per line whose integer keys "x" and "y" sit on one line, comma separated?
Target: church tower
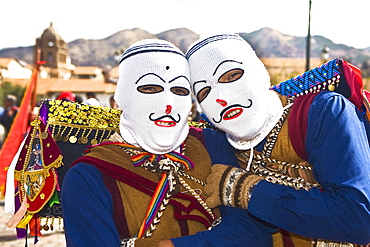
{"x": 54, "y": 51}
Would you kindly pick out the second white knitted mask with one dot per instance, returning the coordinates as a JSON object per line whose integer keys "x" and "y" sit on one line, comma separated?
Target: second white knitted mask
{"x": 232, "y": 87}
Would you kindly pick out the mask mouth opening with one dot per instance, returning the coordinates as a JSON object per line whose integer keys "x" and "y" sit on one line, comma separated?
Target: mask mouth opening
{"x": 232, "y": 112}
{"x": 166, "y": 124}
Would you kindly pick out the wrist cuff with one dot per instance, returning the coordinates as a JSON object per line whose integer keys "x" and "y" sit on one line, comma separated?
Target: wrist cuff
{"x": 247, "y": 188}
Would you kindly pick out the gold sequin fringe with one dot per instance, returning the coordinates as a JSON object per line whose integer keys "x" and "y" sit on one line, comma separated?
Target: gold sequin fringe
{"x": 32, "y": 176}
{"x": 51, "y": 224}
{"x": 75, "y": 123}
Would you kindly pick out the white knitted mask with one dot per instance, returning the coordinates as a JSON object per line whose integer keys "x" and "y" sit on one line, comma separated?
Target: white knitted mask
{"x": 153, "y": 93}
{"x": 232, "y": 86}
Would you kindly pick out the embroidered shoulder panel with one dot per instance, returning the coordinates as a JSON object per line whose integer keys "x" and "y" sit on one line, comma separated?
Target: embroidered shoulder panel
{"x": 324, "y": 77}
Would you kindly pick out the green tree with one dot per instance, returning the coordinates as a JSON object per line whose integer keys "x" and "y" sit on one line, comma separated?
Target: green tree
{"x": 9, "y": 88}
{"x": 365, "y": 68}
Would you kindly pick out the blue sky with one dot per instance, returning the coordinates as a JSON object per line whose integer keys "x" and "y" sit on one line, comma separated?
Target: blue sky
{"x": 342, "y": 21}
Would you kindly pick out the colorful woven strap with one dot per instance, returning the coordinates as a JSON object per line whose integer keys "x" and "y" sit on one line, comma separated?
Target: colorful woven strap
{"x": 144, "y": 156}
{"x": 155, "y": 203}
{"x": 162, "y": 186}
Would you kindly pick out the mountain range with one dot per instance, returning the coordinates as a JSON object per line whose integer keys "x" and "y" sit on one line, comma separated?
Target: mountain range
{"x": 266, "y": 42}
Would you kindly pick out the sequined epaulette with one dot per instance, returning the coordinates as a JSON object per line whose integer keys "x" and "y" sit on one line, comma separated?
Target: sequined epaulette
{"x": 73, "y": 122}
{"x": 324, "y": 77}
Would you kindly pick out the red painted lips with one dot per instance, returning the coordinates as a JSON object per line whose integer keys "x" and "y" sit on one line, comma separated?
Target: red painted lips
{"x": 232, "y": 113}
{"x": 163, "y": 123}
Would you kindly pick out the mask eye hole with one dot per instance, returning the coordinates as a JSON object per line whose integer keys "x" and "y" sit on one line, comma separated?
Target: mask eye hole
{"x": 203, "y": 93}
{"x": 150, "y": 89}
{"x": 231, "y": 75}
{"x": 181, "y": 91}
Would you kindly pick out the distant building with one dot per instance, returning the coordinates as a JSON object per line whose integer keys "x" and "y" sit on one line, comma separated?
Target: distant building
{"x": 58, "y": 74}
{"x": 11, "y": 68}
{"x": 113, "y": 75}
{"x": 88, "y": 72}
{"x": 54, "y": 52}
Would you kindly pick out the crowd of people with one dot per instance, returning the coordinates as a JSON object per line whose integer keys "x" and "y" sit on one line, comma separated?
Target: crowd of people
{"x": 10, "y": 108}
{"x": 263, "y": 165}
{"x": 7, "y": 115}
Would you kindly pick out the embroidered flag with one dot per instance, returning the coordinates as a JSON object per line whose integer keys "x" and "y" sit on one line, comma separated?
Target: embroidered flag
{"x": 18, "y": 129}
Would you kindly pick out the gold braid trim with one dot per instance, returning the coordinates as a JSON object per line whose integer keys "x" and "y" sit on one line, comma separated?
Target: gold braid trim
{"x": 176, "y": 176}
{"x": 294, "y": 174}
{"x": 34, "y": 175}
{"x": 135, "y": 202}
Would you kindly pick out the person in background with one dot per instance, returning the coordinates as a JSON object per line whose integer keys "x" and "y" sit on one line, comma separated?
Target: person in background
{"x": 78, "y": 99}
{"x": 1, "y": 110}
{"x": 2, "y": 129}
{"x": 305, "y": 148}
{"x": 9, "y": 113}
{"x": 112, "y": 102}
{"x": 91, "y": 99}
{"x": 67, "y": 96}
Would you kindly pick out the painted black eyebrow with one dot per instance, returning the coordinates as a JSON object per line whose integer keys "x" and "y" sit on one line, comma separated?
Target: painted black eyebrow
{"x": 177, "y": 77}
{"x": 203, "y": 81}
{"x": 141, "y": 77}
{"x": 225, "y": 62}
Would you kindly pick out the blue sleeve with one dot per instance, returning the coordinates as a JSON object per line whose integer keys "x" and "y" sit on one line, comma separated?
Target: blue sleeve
{"x": 87, "y": 209}
{"x": 337, "y": 146}
{"x": 367, "y": 126}
{"x": 238, "y": 227}
{"x": 219, "y": 148}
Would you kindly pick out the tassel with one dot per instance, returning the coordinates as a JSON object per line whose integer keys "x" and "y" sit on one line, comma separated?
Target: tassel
{"x": 24, "y": 222}
{"x": 35, "y": 227}
{"x": 250, "y": 159}
{"x": 17, "y": 217}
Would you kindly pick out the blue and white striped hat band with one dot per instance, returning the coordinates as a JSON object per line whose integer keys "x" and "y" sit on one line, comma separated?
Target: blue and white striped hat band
{"x": 152, "y": 47}
{"x": 210, "y": 40}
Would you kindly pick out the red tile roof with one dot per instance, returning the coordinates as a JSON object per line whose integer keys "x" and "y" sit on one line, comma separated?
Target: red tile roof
{"x": 4, "y": 62}
{"x": 51, "y": 85}
{"x": 86, "y": 70}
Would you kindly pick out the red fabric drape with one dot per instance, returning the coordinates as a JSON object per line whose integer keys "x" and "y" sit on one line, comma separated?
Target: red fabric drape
{"x": 18, "y": 129}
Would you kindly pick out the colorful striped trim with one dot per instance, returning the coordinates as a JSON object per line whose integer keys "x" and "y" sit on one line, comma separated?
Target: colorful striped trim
{"x": 209, "y": 40}
{"x": 146, "y": 186}
{"x": 144, "y": 156}
{"x": 147, "y": 46}
{"x": 155, "y": 203}
{"x": 154, "y": 47}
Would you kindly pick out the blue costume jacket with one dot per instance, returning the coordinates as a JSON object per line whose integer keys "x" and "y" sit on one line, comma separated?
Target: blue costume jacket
{"x": 337, "y": 145}
{"x": 94, "y": 208}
